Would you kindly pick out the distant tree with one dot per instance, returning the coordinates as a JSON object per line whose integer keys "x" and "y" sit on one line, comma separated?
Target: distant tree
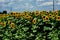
{"x": 0, "y": 12}
{"x": 4, "y": 12}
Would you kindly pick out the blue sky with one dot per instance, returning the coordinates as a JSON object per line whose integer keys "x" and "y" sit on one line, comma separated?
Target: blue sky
{"x": 28, "y": 5}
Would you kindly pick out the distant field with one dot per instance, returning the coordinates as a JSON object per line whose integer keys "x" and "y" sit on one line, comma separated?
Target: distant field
{"x": 37, "y": 25}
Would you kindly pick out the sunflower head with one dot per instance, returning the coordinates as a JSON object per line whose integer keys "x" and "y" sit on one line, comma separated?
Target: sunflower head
{"x": 17, "y": 16}
{"x": 53, "y": 16}
{"x": 6, "y": 15}
{"x": 30, "y": 18}
{"x": 4, "y": 24}
{"x": 43, "y": 17}
{"x": 47, "y": 13}
{"x": 12, "y": 25}
{"x": 46, "y": 18}
{"x": 36, "y": 13}
{"x": 26, "y": 16}
{"x": 13, "y": 13}
{"x": 26, "y": 12}
{"x": 50, "y": 15}
{"x": 58, "y": 18}
{"x": 9, "y": 21}
{"x": 1, "y": 23}
{"x": 23, "y": 14}
{"x": 43, "y": 12}
{"x": 34, "y": 21}
{"x": 56, "y": 12}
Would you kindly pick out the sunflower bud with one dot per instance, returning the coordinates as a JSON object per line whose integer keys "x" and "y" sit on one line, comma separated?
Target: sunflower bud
{"x": 12, "y": 25}
{"x": 34, "y": 20}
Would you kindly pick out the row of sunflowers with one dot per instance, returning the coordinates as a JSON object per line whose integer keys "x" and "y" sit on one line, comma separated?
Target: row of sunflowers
{"x": 38, "y": 25}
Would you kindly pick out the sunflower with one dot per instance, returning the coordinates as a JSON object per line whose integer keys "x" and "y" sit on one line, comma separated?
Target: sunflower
{"x": 40, "y": 13}
{"x": 30, "y": 18}
{"x": 56, "y": 12}
{"x": 53, "y": 17}
{"x": 23, "y": 14}
{"x": 46, "y": 18}
{"x": 27, "y": 16}
{"x": 43, "y": 17}
{"x": 9, "y": 21}
{"x": 12, "y": 25}
{"x": 43, "y": 12}
{"x": 47, "y": 13}
{"x": 58, "y": 18}
{"x": 36, "y": 13}
{"x": 20, "y": 14}
{"x": 34, "y": 21}
{"x": 50, "y": 15}
{"x": 1, "y": 23}
{"x": 0, "y": 15}
{"x": 5, "y": 15}
{"x": 26, "y": 12}
{"x": 4, "y": 24}
{"x": 13, "y": 13}
{"x": 16, "y": 16}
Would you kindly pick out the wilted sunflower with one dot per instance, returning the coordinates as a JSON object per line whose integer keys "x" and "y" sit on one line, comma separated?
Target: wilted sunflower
{"x": 12, "y": 25}
{"x": 58, "y": 18}
{"x": 36, "y": 13}
{"x": 34, "y": 21}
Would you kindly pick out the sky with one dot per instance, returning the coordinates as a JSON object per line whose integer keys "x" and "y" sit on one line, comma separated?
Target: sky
{"x": 28, "y": 5}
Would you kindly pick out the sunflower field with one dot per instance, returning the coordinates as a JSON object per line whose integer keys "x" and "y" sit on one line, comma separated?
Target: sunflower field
{"x": 37, "y": 25}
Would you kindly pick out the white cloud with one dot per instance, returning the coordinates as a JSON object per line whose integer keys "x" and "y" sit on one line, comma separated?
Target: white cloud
{"x": 10, "y": 3}
{"x": 58, "y": 3}
{"x": 27, "y": 5}
{"x": 20, "y": 0}
{"x": 39, "y": 0}
{"x": 11, "y": 0}
{"x": 30, "y": 0}
{"x": 46, "y": 4}
{"x": 31, "y": 6}
{"x": 58, "y": 0}
{"x": 2, "y": 0}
